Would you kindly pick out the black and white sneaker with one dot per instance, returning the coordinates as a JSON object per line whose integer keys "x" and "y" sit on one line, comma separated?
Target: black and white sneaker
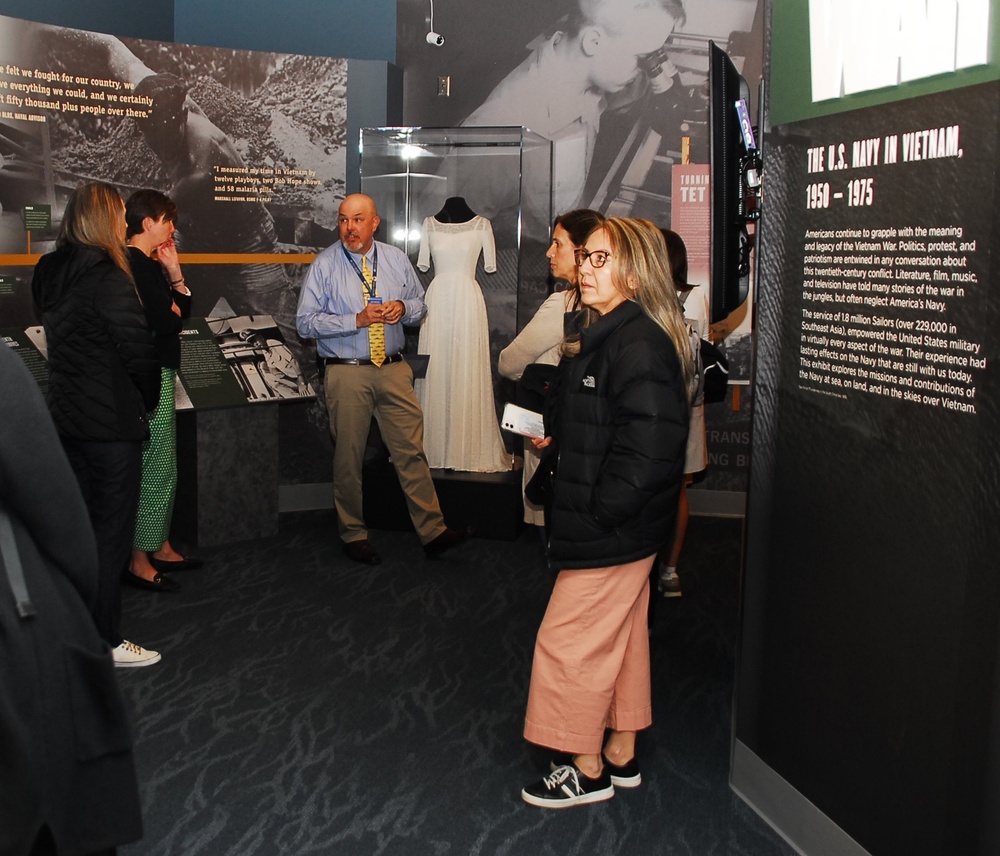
{"x": 566, "y": 786}
{"x": 668, "y": 583}
{"x": 625, "y": 775}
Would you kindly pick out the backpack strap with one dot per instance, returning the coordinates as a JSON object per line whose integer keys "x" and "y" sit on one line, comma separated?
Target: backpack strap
{"x": 12, "y": 563}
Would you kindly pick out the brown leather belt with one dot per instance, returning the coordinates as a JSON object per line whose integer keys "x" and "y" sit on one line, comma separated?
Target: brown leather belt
{"x": 338, "y": 361}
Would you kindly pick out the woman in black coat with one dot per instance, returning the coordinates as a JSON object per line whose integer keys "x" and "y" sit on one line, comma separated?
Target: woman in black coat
{"x": 620, "y": 427}
{"x": 104, "y": 380}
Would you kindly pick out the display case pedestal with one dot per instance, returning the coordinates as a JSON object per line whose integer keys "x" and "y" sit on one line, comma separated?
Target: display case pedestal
{"x": 488, "y": 502}
{"x": 227, "y": 475}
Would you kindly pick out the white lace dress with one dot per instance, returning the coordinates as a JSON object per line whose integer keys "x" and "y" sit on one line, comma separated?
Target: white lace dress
{"x": 461, "y": 431}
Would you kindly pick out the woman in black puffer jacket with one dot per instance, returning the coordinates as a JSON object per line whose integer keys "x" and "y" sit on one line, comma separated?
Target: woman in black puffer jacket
{"x": 104, "y": 378}
{"x": 620, "y": 424}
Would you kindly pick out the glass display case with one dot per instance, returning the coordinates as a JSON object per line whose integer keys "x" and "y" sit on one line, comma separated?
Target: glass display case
{"x": 503, "y": 173}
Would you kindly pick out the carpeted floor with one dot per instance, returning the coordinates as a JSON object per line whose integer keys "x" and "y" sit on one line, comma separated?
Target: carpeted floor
{"x": 309, "y": 705}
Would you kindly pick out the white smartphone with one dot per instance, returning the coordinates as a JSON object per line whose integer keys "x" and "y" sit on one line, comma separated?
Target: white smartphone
{"x": 518, "y": 420}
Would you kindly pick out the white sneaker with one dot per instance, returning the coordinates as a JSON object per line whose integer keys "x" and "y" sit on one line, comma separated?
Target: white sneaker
{"x": 129, "y": 654}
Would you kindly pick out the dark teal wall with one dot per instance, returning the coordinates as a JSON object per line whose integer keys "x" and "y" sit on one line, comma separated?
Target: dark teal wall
{"x": 146, "y": 20}
{"x": 323, "y": 27}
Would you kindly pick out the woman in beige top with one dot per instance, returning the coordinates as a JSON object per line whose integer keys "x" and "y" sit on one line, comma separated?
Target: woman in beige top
{"x": 541, "y": 339}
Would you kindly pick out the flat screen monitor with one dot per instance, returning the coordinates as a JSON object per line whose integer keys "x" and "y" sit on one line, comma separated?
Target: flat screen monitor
{"x": 735, "y": 169}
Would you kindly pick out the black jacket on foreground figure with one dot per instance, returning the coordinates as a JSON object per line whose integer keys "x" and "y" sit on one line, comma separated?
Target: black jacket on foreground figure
{"x": 104, "y": 376}
{"x": 620, "y": 422}
{"x": 65, "y": 747}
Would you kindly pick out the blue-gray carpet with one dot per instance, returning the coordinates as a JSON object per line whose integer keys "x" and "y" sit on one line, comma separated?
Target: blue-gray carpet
{"x": 309, "y": 705}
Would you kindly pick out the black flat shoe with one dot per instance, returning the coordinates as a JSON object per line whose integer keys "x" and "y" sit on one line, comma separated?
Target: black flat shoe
{"x": 446, "y": 540}
{"x": 362, "y": 551}
{"x": 187, "y": 563}
{"x": 159, "y": 583}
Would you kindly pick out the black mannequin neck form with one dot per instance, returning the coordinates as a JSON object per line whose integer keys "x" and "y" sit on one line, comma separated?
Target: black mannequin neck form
{"x": 455, "y": 210}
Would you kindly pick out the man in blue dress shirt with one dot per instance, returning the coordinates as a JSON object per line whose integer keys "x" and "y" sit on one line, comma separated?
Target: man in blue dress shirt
{"x": 356, "y": 292}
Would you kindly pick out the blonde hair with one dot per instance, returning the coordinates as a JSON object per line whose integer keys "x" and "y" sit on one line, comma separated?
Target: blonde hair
{"x": 95, "y": 217}
{"x": 641, "y": 272}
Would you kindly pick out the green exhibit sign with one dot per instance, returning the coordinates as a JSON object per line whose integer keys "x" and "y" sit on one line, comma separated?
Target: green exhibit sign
{"x": 37, "y": 217}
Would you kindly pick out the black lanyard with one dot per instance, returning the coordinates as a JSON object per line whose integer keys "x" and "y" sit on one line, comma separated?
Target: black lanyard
{"x": 369, "y": 291}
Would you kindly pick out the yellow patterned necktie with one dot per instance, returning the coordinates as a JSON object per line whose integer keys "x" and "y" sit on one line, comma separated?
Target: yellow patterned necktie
{"x": 376, "y": 332}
